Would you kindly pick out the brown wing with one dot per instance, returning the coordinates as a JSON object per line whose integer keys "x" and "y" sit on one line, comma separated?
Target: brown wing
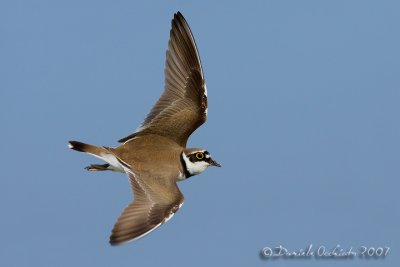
{"x": 182, "y": 108}
{"x": 154, "y": 204}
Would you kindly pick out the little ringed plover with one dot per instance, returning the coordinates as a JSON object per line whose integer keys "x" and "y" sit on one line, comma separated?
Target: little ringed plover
{"x": 155, "y": 157}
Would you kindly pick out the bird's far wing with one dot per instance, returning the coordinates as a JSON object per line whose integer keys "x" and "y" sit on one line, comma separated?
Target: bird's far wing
{"x": 182, "y": 108}
{"x": 155, "y": 202}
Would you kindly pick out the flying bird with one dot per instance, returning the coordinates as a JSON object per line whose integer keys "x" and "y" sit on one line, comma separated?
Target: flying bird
{"x": 155, "y": 157}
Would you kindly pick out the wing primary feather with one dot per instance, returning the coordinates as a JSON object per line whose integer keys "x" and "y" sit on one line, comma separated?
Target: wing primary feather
{"x": 149, "y": 210}
{"x": 182, "y": 107}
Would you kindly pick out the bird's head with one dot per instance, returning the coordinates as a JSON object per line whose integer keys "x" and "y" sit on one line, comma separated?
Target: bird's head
{"x": 196, "y": 160}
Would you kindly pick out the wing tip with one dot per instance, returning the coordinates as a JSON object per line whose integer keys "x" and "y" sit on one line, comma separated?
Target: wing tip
{"x": 178, "y": 16}
{"x": 116, "y": 239}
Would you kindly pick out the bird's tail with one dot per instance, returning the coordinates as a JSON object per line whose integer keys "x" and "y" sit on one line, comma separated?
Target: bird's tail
{"x": 90, "y": 149}
{"x": 104, "y": 153}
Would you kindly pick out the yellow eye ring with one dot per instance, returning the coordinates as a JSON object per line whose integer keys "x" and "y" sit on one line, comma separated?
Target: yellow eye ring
{"x": 200, "y": 155}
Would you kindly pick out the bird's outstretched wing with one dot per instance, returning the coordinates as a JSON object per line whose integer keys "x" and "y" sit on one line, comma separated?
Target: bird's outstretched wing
{"x": 155, "y": 202}
{"x": 182, "y": 108}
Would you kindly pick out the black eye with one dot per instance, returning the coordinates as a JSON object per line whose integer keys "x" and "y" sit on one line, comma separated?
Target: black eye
{"x": 199, "y": 156}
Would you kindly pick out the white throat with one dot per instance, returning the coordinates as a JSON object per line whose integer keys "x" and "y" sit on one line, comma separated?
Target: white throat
{"x": 194, "y": 168}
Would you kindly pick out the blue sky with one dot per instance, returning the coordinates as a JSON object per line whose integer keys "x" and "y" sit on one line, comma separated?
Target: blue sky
{"x": 303, "y": 115}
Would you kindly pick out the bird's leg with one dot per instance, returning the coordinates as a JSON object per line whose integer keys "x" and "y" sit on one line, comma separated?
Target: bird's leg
{"x": 98, "y": 167}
